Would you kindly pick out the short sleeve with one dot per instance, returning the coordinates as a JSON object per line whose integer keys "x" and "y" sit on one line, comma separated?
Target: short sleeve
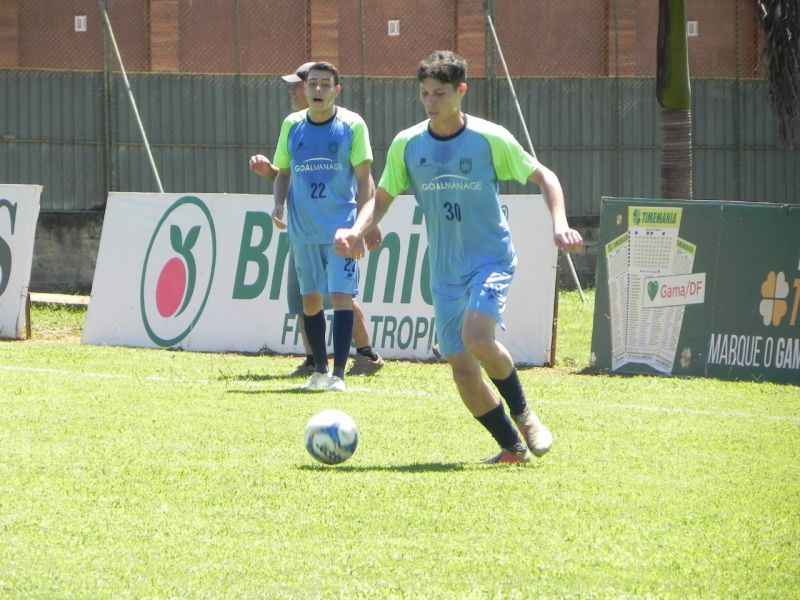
{"x": 394, "y": 179}
{"x": 360, "y": 150}
{"x": 283, "y": 157}
{"x": 511, "y": 161}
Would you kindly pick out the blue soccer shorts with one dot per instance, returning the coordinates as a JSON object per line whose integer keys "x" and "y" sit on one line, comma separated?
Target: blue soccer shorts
{"x": 294, "y": 299}
{"x": 321, "y": 270}
{"x": 486, "y": 293}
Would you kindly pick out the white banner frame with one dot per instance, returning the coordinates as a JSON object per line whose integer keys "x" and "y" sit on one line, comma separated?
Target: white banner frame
{"x": 19, "y": 215}
{"x": 237, "y": 304}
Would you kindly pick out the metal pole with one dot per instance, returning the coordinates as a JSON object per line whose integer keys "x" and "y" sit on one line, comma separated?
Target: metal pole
{"x": 130, "y": 95}
{"x": 527, "y": 134}
{"x": 108, "y": 158}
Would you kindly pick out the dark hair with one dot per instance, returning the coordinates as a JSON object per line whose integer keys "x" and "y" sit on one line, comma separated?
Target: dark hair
{"x": 324, "y": 66}
{"x": 444, "y": 66}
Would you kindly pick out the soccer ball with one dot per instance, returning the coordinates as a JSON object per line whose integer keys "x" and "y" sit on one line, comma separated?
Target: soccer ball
{"x": 331, "y": 437}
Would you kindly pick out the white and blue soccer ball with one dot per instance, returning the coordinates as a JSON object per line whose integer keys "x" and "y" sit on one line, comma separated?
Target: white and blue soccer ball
{"x": 331, "y": 437}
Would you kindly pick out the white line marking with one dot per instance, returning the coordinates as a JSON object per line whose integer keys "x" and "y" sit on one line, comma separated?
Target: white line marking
{"x": 231, "y": 382}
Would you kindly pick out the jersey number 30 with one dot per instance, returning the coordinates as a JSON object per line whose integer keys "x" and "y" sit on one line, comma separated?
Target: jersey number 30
{"x": 452, "y": 211}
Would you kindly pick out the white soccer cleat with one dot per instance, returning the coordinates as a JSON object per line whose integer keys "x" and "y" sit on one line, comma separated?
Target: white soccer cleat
{"x": 537, "y": 436}
{"x": 336, "y": 384}
{"x": 318, "y": 382}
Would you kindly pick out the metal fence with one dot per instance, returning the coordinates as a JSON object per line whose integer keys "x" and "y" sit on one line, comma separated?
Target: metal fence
{"x": 206, "y": 78}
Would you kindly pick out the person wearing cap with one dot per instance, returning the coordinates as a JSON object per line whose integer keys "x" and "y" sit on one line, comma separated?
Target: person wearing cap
{"x": 366, "y": 360}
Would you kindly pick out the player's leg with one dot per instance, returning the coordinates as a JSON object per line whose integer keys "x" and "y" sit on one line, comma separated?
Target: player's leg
{"x": 486, "y": 304}
{"x": 310, "y": 264}
{"x": 366, "y": 361}
{"x": 294, "y": 300}
{"x": 342, "y": 278}
{"x": 479, "y": 400}
{"x": 474, "y": 392}
{"x": 342, "y": 332}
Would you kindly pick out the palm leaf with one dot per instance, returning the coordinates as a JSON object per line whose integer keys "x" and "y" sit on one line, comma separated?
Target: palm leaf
{"x": 781, "y": 22}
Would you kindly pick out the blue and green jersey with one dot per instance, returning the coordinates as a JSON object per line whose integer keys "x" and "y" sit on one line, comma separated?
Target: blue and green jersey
{"x": 321, "y": 157}
{"x": 455, "y": 181}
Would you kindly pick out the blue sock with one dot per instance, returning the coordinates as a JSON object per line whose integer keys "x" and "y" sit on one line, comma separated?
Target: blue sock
{"x": 315, "y": 332}
{"x": 342, "y": 336}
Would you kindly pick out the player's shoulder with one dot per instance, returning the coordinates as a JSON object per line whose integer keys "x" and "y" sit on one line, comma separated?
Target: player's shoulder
{"x": 408, "y": 134}
{"x": 488, "y": 129}
{"x": 294, "y": 118}
{"x": 349, "y": 117}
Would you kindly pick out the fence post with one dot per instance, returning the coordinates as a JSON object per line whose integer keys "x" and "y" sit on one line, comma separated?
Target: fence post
{"x": 491, "y": 79}
{"x": 108, "y": 157}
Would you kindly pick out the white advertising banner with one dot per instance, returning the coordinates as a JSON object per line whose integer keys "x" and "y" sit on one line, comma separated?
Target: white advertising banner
{"x": 19, "y": 214}
{"x": 207, "y": 272}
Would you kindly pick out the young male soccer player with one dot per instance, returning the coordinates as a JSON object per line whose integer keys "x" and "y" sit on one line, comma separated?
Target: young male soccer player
{"x": 453, "y": 163}
{"x": 366, "y": 360}
{"x": 325, "y": 150}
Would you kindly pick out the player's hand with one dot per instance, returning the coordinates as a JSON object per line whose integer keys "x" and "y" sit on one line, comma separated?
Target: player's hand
{"x": 278, "y": 217}
{"x": 567, "y": 240}
{"x": 260, "y": 165}
{"x": 348, "y": 244}
{"x": 373, "y": 238}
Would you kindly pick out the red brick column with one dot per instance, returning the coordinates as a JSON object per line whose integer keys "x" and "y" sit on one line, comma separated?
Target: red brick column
{"x": 164, "y": 35}
{"x": 9, "y": 33}
{"x": 471, "y": 35}
{"x": 325, "y": 31}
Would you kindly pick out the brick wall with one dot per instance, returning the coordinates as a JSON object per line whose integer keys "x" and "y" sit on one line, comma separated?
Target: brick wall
{"x": 546, "y": 38}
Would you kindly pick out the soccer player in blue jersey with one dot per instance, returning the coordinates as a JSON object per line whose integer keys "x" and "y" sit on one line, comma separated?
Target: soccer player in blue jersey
{"x": 453, "y": 162}
{"x": 325, "y": 151}
{"x": 366, "y": 360}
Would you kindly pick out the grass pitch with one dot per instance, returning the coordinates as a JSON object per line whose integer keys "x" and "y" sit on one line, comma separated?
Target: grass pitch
{"x": 152, "y": 474}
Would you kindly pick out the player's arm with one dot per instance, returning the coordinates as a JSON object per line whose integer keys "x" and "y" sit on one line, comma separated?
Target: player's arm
{"x": 261, "y": 166}
{"x": 366, "y": 190}
{"x": 564, "y": 236}
{"x": 348, "y": 240}
{"x": 393, "y": 181}
{"x": 280, "y": 191}
{"x": 281, "y": 162}
{"x": 513, "y": 163}
{"x": 364, "y": 183}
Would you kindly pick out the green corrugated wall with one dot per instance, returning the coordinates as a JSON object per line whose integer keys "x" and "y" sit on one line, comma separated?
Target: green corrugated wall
{"x": 600, "y": 135}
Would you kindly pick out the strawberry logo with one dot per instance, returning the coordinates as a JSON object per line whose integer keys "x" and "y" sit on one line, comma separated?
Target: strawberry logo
{"x": 177, "y": 278}
{"x": 178, "y": 271}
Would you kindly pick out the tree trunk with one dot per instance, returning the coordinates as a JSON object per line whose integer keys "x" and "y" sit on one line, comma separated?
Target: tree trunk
{"x": 676, "y": 157}
{"x": 674, "y": 94}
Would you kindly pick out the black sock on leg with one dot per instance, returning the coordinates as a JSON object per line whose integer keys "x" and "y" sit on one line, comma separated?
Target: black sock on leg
{"x": 368, "y": 352}
{"x": 511, "y": 390}
{"x": 342, "y": 336}
{"x": 315, "y": 332}
{"x": 497, "y": 423}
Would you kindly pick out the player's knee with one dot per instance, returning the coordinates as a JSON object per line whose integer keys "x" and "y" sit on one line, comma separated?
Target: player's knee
{"x": 341, "y": 301}
{"x": 464, "y": 372}
{"x": 480, "y": 346}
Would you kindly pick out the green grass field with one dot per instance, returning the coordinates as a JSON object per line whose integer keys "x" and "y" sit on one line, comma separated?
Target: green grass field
{"x": 152, "y": 474}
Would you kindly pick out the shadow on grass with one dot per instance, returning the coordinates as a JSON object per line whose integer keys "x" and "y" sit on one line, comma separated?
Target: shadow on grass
{"x": 257, "y": 378}
{"x": 413, "y": 468}
{"x": 273, "y": 391}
